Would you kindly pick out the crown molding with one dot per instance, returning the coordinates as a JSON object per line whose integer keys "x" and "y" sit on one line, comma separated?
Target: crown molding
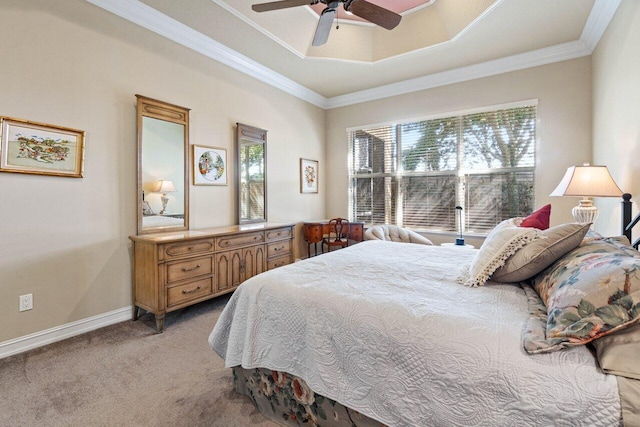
{"x": 259, "y": 28}
{"x": 149, "y": 18}
{"x": 507, "y": 64}
{"x": 598, "y": 21}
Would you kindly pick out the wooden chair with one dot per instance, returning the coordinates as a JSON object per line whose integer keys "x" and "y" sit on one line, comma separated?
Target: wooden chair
{"x": 338, "y": 234}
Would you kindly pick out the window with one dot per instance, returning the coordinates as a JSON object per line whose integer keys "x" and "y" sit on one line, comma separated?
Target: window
{"x": 414, "y": 174}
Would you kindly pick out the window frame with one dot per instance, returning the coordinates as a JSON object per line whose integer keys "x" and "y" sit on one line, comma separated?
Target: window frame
{"x": 460, "y": 173}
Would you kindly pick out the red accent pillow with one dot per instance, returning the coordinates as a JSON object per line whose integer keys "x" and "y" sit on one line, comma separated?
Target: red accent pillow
{"x": 539, "y": 219}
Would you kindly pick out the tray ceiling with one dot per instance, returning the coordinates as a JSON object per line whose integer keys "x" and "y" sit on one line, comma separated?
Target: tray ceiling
{"x": 438, "y": 42}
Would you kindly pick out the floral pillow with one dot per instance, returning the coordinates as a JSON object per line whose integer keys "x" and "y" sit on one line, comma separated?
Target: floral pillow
{"x": 146, "y": 209}
{"x": 590, "y": 292}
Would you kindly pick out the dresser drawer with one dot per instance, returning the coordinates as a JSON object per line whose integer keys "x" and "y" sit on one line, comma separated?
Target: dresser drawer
{"x": 193, "y": 247}
{"x": 278, "y": 262}
{"x": 279, "y": 233}
{"x": 177, "y": 295}
{"x": 239, "y": 240}
{"x": 278, "y": 248}
{"x": 181, "y": 270}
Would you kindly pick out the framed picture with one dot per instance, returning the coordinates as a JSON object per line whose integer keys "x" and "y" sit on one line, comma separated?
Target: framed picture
{"x": 41, "y": 149}
{"x": 209, "y": 165}
{"x": 308, "y": 176}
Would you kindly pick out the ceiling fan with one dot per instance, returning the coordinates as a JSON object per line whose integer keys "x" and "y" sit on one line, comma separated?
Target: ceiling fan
{"x": 362, "y": 8}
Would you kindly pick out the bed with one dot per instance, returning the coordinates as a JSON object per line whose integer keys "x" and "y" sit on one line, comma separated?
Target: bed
{"x": 153, "y": 221}
{"x": 383, "y": 333}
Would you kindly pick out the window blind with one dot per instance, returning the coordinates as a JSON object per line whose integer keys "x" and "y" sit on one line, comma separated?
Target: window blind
{"x": 414, "y": 174}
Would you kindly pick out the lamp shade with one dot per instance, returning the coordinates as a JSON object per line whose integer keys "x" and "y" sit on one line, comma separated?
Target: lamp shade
{"x": 165, "y": 186}
{"x": 589, "y": 181}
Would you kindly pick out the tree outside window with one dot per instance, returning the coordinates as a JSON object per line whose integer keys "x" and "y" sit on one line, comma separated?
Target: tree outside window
{"x": 415, "y": 174}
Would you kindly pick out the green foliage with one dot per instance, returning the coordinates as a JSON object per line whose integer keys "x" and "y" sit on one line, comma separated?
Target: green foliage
{"x": 635, "y": 311}
{"x": 319, "y": 411}
{"x": 613, "y": 315}
{"x": 582, "y": 328}
{"x": 503, "y": 136}
{"x": 568, "y": 318}
{"x": 625, "y": 301}
{"x": 438, "y": 142}
{"x": 616, "y": 296}
{"x": 585, "y": 308}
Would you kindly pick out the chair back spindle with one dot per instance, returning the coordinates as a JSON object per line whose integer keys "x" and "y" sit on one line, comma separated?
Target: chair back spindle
{"x": 338, "y": 234}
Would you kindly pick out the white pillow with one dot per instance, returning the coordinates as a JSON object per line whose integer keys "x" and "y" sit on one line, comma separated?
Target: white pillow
{"x": 502, "y": 242}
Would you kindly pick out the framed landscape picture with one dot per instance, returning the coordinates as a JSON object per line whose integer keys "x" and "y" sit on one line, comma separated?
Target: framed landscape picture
{"x": 308, "y": 176}
{"x": 39, "y": 148}
{"x": 209, "y": 165}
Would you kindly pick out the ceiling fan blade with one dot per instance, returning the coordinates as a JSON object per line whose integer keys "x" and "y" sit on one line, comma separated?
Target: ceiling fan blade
{"x": 275, "y": 5}
{"x": 374, "y": 13}
{"x": 324, "y": 27}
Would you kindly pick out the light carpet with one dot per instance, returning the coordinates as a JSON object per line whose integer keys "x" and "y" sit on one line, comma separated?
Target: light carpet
{"x": 126, "y": 374}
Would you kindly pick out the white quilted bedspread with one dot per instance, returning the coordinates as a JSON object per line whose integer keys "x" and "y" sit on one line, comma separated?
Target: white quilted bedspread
{"x": 382, "y": 328}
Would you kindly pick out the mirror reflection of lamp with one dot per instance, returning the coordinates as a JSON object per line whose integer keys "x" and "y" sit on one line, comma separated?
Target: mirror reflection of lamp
{"x": 165, "y": 186}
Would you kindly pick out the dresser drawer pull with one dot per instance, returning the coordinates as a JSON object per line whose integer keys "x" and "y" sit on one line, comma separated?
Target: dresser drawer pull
{"x": 184, "y": 291}
{"x": 276, "y": 249}
{"x": 185, "y": 269}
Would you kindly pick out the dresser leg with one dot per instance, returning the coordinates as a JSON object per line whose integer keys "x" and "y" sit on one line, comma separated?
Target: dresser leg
{"x": 137, "y": 312}
{"x": 159, "y": 323}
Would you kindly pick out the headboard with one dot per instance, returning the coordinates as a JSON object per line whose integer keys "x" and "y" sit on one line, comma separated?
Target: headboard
{"x": 627, "y": 222}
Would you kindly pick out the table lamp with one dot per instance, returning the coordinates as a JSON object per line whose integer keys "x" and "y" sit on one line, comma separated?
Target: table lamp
{"x": 164, "y": 187}
{"x": 587, "y": 181}
{"x": 459, "y": 240}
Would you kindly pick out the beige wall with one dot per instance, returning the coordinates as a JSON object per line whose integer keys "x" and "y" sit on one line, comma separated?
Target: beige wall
{"x": 563, "y": 91}
{"x": 616, "y": 111}
{"x": 66, "y": 240}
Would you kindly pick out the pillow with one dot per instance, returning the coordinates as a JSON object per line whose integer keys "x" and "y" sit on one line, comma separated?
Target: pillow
{"x": 146, "y": 209}
{"x": 592, "y": 291}
{"x": 538, "y": 219}
{"x": 541, "y": 253}
{"x": 619, "y": 353}
{"x": 502, "y": 242}
{"x": 534, "y": 337}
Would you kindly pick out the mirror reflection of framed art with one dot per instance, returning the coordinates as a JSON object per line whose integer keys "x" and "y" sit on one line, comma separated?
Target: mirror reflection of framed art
{"x": 308, "y": 176}
{"x": 209, "y": 165}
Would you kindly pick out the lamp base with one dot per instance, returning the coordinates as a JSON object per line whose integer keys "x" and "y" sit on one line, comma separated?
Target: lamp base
{"x": 165, "y": 200}
{"x": 585, "y": 212}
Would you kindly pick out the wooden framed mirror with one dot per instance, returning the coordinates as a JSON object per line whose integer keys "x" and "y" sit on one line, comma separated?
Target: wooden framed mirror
{"x": 251, "y": 174}
{"x": 163, "y": 166}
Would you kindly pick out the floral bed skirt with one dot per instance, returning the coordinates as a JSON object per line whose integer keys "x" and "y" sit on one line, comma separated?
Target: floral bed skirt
{"x": 287, "y": 399}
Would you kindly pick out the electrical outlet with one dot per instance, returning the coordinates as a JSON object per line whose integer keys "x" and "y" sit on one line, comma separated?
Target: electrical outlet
{"x": 26, "y": 302}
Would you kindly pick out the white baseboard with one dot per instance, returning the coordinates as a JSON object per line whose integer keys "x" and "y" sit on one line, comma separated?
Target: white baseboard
{"x": 59, "y": 333}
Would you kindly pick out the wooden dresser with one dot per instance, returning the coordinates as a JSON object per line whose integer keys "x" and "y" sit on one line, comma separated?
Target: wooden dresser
{"x": 178, "y": 269}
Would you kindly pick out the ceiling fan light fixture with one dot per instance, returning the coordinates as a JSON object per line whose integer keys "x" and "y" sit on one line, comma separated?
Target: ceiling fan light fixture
{"x": 361, "y": 8}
